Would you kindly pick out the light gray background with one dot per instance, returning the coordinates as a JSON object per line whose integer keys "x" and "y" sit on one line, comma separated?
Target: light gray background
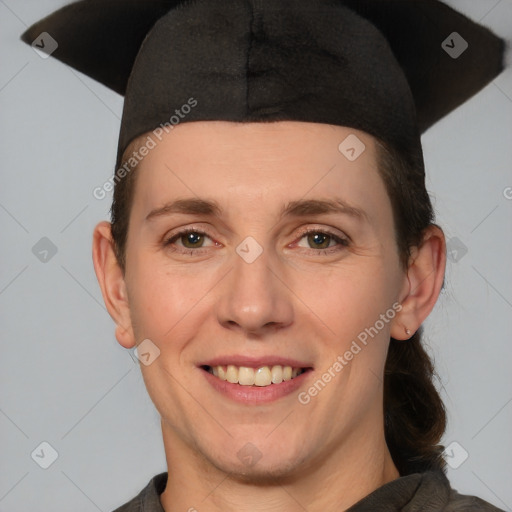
{"x": 66, "y": 381}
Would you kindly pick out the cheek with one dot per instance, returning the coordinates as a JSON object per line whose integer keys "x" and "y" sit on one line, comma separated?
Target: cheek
{"x": 348, "y": 299}
{"x": 357, "y": 337}
{"x": 164, "y": 300}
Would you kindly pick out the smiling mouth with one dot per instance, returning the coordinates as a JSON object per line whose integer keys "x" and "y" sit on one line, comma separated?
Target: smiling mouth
{"x": 262, "y": 376}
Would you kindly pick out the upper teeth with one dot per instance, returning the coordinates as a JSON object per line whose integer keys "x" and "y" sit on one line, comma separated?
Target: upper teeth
{"x": 262, "y": 376}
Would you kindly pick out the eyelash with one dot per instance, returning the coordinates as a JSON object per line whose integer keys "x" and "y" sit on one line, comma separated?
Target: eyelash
{"x": 343, "y": 242}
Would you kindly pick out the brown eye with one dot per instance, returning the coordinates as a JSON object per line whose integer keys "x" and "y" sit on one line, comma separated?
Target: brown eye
{"x": 319, "y": 240}
{"x": 322, "y": 242}
{"x": 191, "y": 240}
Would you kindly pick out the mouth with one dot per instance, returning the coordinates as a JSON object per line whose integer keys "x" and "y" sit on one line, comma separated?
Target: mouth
{"x": 261, "y": 376}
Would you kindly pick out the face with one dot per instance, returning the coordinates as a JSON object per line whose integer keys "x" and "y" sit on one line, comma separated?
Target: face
{"x": 234, "y": 257}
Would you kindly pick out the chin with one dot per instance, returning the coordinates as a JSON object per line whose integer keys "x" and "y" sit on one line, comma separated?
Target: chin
{"x": 265, "y": 467}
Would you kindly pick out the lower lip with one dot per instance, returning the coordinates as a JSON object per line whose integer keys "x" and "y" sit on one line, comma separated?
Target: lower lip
{"x": 255, "y": 394}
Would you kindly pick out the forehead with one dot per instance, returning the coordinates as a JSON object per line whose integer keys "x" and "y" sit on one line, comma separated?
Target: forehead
{"x": 249, "y": 162}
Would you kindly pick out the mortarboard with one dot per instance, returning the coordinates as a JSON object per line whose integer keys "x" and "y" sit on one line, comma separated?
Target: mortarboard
{"x": 391, "y": 68}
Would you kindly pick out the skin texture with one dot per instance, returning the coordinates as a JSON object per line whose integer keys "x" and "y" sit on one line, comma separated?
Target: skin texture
{"x": 291, "y": 301}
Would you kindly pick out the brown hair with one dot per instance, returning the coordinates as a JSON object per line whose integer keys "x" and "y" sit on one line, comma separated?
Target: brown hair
{"x": 414, "y": 414}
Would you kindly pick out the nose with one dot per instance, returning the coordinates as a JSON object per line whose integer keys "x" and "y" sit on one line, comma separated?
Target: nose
{"x": 254, "y": 297}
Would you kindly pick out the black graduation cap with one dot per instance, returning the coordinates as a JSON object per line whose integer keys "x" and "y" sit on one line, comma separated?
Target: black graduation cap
{"x": 391, "y": 68}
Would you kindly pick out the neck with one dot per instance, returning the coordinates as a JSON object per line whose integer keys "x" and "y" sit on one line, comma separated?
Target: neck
{"x": 334, "y": 482}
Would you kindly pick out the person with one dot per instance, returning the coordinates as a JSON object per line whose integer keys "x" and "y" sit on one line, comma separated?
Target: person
{"x": 272, "y": 251}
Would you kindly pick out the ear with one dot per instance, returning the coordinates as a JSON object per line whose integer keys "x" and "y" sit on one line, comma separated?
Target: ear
{"x": 112, "y": 283}
{"x": 425, "y": 276}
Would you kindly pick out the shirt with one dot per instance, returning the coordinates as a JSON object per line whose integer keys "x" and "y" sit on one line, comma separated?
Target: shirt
{"x": 418, "y": 492}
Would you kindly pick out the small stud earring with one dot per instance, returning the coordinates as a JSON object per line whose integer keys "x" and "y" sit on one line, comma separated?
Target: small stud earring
{"x": 407, "y": 331}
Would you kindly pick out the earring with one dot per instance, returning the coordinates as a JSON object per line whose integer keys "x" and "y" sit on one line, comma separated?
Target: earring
{"x": 407, "y": 331}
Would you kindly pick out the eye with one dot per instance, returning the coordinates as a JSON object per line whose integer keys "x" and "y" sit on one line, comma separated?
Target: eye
{"x": 323, "y": 241}
{"x": 190, "y": 240}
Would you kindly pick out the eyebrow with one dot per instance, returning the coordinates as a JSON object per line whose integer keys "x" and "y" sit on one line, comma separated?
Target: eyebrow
{"x": 299, "y": 208}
